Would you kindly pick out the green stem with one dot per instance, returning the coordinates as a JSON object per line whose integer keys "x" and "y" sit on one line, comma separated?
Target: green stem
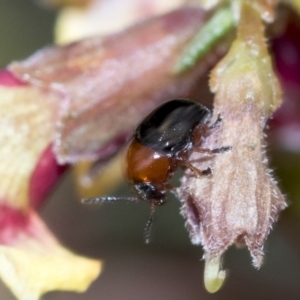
{"x": 221, "y": 22}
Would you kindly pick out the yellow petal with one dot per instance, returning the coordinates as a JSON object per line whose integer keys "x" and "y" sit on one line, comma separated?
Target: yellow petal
{"x": 37, "y": 264}
{"x": 295, "y": 4}
{"x": 105, "y": 17}
{"x": 26, "y": 129}
{"x": 208, "y": 4}
{"x": 102, "y": 183}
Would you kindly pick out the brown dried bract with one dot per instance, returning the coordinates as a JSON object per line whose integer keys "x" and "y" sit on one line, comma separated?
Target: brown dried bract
{"x": 240, "y": 201}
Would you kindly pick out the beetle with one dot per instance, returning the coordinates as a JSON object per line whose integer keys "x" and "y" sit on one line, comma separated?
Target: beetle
{"x": 161, "y": 143}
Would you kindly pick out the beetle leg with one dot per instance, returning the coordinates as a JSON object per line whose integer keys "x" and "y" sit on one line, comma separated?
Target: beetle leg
{"x": 213, "y": 151}
{"x": 203, "y": 150}
{"x": 196, "y": 171}
{"x": 216, "y": 123}
{"x": 221, "y": 149}
{"x": 204, "y": 130}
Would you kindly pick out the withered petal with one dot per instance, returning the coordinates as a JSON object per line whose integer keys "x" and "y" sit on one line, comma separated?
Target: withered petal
{"x": 108, "y": 85}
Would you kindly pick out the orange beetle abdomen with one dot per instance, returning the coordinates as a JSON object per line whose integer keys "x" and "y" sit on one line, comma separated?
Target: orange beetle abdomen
{"x": 147, "y": 165}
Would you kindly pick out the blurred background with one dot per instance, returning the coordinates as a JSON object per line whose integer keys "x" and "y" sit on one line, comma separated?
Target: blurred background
{"x": 170, "y": 268}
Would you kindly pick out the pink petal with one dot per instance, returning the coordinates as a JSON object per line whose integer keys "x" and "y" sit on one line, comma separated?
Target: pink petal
{"x": 11, "y": 222}
{"x": 44, "y": 177}
{"x": 9, "y": 80}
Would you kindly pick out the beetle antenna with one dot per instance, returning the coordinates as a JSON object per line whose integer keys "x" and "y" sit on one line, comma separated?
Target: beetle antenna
{"x": 99, "y": 200}
{"x": 149, "y": 225}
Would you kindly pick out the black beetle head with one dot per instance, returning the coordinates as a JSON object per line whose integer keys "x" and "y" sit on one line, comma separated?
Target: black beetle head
{"x": 147, "y": 191}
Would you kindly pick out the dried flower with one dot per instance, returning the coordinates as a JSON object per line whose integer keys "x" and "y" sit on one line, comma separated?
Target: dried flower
{"x": 240, "y": 201}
